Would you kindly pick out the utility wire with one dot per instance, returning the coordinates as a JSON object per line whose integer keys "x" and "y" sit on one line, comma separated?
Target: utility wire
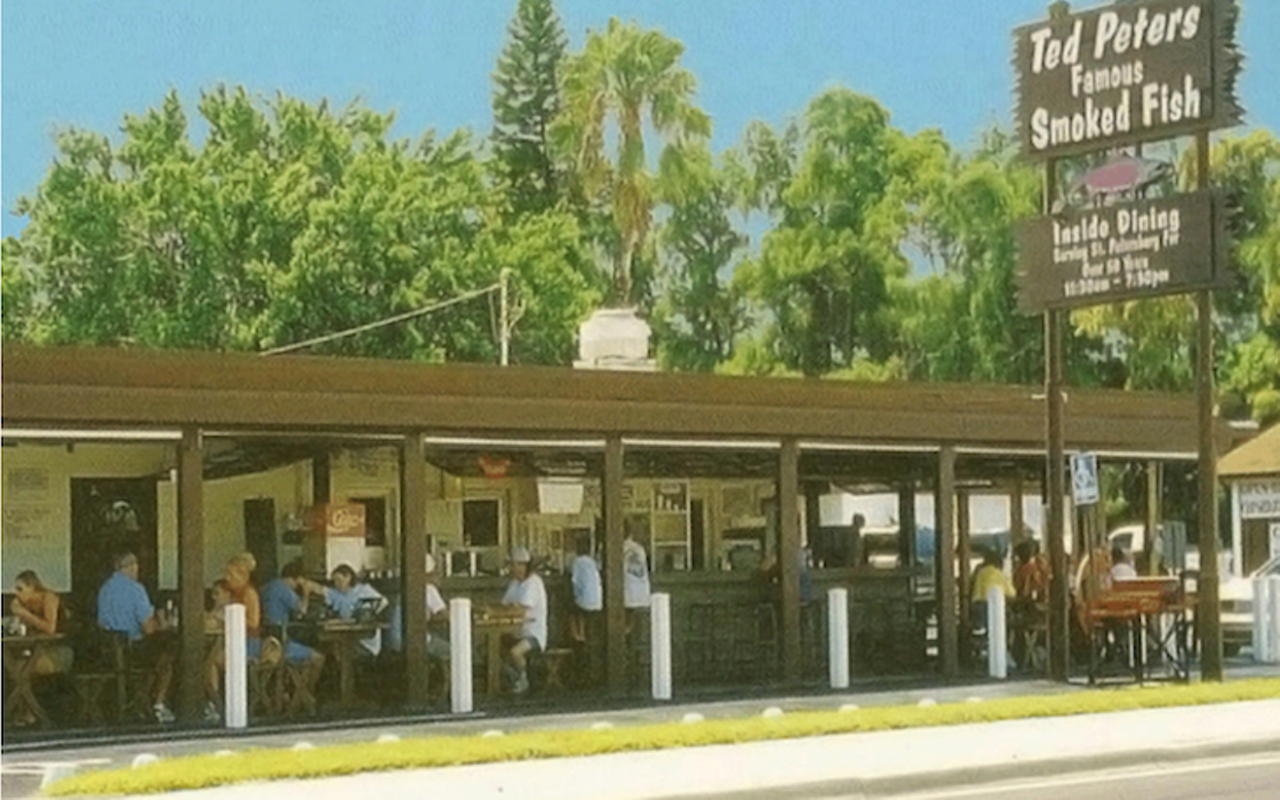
{"x": 382, "y": 323}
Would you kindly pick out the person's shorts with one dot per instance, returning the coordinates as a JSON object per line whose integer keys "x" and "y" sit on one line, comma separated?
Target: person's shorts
{"x": 154, "y": 650}
{"x": 438, "y": 648}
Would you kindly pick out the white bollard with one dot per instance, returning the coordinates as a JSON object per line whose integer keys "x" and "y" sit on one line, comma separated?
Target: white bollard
{"x": 997, "y": 644}
{"x": 660, "y": 640}
{"x": 1261, "y": 620}
{"x": 838, "y": 637}
{"x": 1273, "y": 622}
{"x": 237, "y": 662}
{"x": 460, "y": 696}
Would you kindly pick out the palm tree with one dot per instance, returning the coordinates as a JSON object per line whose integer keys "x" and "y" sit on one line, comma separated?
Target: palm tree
{"x": 620, "y": 75}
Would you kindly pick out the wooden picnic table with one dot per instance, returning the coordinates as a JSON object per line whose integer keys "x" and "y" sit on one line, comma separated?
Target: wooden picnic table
{"x": 342, "y": 639}
{"x": 20, "y": 655}
{"x": 493, "y": 624}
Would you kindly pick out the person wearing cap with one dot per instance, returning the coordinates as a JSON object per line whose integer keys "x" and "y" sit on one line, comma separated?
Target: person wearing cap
{"x": 526, "y": 592}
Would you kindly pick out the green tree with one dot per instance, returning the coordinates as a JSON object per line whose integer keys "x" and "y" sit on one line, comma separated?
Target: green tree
{"x": 822, "y": 279}
{"x": 960, "y": 322}
{"x": 699, "y": 313}
{"x": 289, "y": 221}
{"x": 526, "y": 101}
{"x": 632, "y": 79}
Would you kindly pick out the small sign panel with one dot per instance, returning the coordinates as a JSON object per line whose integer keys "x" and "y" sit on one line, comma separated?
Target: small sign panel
{"x": 1084, "y": 479}
{"x": 1125, "y": 73}
{"x": 1129, "y": 251}
{"x": 1260, "y": 499}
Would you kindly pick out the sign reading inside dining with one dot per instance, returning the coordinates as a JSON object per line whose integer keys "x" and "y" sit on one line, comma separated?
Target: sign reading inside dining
{"x": 1125, "y": 73}
{"x": 1143, "y": 248}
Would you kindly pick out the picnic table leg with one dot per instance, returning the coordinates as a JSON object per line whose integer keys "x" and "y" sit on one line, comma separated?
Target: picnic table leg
{"x": 22, "y": 698}
{"x": 346, "y": 675}
{"x": 494, "y": 665}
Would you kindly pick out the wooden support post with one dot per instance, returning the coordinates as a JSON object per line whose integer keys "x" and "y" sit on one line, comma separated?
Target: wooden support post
{"x": 191, "y": 656}
{"x": 788, "y": 556}
{"x": 413, "y": 549}
{"x": 945, "y": 506}
{"x": 614, "y": 532}
{"x": 907, "y": 526}
{"x": 1208, "y": 607}
{"x": 320, "y": 478}
{"x": 1055, "y": 529}
{"x": 964, "y": 556}
{"x": 1153, "y": 508}
{"x": 1017, "y": 515}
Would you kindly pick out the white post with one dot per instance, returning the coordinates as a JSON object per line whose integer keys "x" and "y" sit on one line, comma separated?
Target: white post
{"x": 660, "y": 640}
{"x": 997, "y": 646}
{"x": 460, "y": 695}
{"x": 1237, "y": 545}
{"x": 1273, "y": 622}
{"x": 838, "y": 637}
{"x": 1261, "y": 620}
{"x": 237, "y": 657}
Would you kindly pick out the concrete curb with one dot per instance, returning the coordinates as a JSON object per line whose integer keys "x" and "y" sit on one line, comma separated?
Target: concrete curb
{"x": 979, "y": 776}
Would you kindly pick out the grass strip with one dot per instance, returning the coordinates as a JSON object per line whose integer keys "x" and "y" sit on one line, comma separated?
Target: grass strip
{"x": 197, "y": 772}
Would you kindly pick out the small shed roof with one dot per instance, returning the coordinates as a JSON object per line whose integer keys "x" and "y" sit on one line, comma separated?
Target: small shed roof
{"x": 1258, "y": 457}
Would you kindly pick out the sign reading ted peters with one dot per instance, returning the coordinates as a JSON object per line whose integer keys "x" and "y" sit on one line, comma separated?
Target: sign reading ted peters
{"x": 1138, "y": 249}
{"x": 1120, "y": 74}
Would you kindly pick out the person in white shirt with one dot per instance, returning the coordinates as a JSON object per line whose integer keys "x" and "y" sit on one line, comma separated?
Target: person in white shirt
{"x": 635, "y": 575}
{"x": 526, "y": 591}
{"x": 345, "y": 596}
{"x": 1121, "y": 566}
{"x": 437, "y": 610}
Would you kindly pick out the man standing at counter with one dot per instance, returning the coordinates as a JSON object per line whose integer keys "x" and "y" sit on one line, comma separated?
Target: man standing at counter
{"x": 527, "y": 592}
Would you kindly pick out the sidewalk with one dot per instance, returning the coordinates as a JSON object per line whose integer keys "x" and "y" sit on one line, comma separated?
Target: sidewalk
{"x": 887, "y": 762}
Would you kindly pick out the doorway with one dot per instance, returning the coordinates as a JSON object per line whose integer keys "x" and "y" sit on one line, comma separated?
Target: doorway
{"x": 110, "y": 516}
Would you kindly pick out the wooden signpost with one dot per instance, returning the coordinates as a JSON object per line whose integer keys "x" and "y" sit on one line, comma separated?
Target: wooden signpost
{"x": 1090, "y": 82}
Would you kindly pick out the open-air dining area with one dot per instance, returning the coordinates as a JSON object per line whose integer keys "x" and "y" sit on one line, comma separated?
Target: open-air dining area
{"x": 345, "y": 505}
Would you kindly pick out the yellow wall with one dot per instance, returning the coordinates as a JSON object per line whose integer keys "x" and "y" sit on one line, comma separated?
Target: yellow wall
{"x": 37, "y": 517}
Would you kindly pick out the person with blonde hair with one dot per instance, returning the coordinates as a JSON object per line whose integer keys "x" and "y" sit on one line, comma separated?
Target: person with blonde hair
{"x": 41, "y": 609}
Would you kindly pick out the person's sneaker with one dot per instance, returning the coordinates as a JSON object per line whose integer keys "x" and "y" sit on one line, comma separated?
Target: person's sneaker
{"x": 163, "y": 715}
{"x": 521, "y": 685}
{"x": 211, "y": 715}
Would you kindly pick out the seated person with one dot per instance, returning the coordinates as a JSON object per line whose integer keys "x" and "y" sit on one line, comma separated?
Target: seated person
{"x": 42, "y": 611}
{"x": 215, "y": 618}
{"x": 284, "y": 598}
{"x": 989, "y": 575}
{"x": 437, "y": 644}
{"x": 527, "y": 593}
{"x": 1121, "y": 565}
{"x": 242, "y": 592}
{"x": 345, "y": 596}
{"x": 1031, "y": 580}
{"x": 124, "y": 607}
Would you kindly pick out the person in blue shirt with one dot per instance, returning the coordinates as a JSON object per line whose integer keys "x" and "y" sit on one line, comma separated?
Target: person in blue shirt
{"x": 286, "y": 597}
{"x": 344, "y": 598}
{"x": 124, "y": 607}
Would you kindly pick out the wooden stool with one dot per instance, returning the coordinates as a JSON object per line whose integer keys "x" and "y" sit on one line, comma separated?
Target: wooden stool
{"x": 555, "y": 658}
{"x": 298, "y": 682}
{"x": 89, "y": 687}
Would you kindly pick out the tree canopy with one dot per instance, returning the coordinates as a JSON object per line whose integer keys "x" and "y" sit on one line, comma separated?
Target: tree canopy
{"x": 833, "y": 244}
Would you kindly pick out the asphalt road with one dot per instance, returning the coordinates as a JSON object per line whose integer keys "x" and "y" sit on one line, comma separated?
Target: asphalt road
{"x": 1246, "y": 778}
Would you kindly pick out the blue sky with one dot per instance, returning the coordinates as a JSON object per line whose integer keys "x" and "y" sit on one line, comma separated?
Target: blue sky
{"x": 942, "y": 63}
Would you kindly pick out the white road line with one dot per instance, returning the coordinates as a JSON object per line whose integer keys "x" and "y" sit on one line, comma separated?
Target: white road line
{"x": 1108, "y": 776}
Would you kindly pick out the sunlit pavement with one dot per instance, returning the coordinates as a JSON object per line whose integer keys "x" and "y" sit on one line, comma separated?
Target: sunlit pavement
{"x": 920, "y": 761}
{"x": 24, "y": 771}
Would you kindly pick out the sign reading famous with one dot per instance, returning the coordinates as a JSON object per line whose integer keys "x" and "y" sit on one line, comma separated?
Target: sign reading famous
{"x": 1126, "y": 73}
{"x": 1144, "y": 248}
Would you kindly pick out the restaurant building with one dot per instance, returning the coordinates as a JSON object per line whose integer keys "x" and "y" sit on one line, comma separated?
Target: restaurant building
{"x": 742, "y": 492}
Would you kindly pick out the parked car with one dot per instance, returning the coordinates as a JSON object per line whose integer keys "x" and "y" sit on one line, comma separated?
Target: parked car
{"x": 1236, "y": 596}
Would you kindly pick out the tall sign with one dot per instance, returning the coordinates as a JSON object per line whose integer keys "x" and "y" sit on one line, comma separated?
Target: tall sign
{"x": 1118, "y": 75}
{"x": 1122, "y": 74}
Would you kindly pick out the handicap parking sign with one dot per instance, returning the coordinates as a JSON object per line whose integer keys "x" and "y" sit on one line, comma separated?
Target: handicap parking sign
{"x": 1084, "y": 479}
